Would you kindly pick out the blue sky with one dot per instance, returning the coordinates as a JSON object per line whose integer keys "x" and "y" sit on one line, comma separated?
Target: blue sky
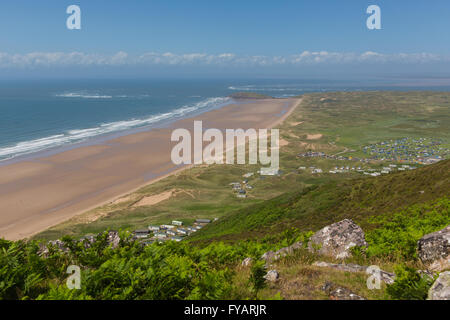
{"x": 247, "y": 36}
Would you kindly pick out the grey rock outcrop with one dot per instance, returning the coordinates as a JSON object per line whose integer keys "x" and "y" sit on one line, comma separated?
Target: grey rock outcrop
{"x": 112, "y": 239}
{"x": 247, "y": 262}
{"x": 434, "y": 250}
{"x": 57, "y": 244}
{"x": 337, "y": 239}
{"x": 440, "y": 290}
{"x": 384, "y": 276}
{"x": 271, "y": 256}
{"x": 336, "y": 292}
{"x": 272, "y": 276}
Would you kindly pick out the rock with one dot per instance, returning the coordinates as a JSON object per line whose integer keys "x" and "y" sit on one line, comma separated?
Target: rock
{"x": 88, "y": 241}
{"x": 385, "y": 276}
{"x": 284, "y": 252}
{"x": 247, "y": 262}
{"x": 57, "y": 244}
{"x": 427, "y": 273}
{"x": 339, "y": 293}
{"x": 272, "y": 276}
{"x": 440, "y": 290}
{"x": 434, "y": 250}
{"x": 297, "y": 245}
{"x": 270, "y": 256}
{"x": 113, "y": 239}
{"x": 336, "y": 240}
{"x": 343, "y": 267}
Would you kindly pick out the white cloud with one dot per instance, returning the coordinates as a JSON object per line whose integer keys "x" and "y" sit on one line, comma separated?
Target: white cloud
{"x": 58, "y": 59}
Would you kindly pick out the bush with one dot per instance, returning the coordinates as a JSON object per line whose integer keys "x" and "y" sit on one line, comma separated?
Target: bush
{"x": 170, "y": 270}
{"x": 257, "y": 280}
{"x": 397, "y": 234}
{"x": 409, "y": 285}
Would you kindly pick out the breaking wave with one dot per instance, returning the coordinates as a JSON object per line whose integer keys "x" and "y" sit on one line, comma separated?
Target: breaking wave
{"x": 78, "y": 135}
{"x": 83, "y": 95}
{"x": 272, "y": 88}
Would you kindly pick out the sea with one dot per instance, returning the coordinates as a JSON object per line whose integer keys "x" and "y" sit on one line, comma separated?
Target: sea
{"x": 48, "y": 116}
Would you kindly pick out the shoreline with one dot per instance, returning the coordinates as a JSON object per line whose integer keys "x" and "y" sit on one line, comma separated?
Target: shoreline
{"x": 105, "y": 137}
{"x": 87, "y": 177}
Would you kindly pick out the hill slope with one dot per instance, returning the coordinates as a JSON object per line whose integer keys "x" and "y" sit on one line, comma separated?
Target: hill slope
{"x": 318, "y": 206}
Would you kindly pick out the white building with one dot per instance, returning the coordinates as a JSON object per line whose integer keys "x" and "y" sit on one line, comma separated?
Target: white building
{"x": 167, "y": 226}
{"x": 160, "y": 235}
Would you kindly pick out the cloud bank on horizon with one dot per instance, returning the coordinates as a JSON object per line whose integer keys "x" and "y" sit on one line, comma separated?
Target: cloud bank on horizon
{"x": 122, "y": 58}
{"x": 221, "y": 38}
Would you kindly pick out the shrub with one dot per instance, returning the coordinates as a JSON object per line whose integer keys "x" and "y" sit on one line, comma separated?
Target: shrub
{"x": 397, "y": 234}
{"x": 409, "y": 285}
{"x": 257, "y": 280}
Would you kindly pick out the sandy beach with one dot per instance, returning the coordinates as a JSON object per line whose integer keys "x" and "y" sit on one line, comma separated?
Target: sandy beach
{"x": 39, "y": 193}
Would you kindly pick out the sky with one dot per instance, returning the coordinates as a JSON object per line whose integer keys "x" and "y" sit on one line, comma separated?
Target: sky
{"x": 230, "y": 38}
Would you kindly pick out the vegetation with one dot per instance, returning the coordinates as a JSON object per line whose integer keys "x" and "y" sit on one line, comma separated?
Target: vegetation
{"x": 409, "y": 285}
{"x": 394, "y": 210}
{"x": 317, "y": 206}
{"x": 257, "y": 280}
{"x": 397, "y": 234}
{"x": 183, "y": 270}
{"x": 131, "y": 271}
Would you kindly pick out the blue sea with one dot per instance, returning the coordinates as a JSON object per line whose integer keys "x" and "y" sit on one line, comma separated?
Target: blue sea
{"x": 37, "y": 116}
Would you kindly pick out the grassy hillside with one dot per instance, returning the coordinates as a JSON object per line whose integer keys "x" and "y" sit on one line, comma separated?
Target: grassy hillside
{"x": 317, "y": 206}
{"x": 182, "y": 270}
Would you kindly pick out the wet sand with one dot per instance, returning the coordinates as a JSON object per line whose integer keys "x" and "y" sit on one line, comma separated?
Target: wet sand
{"x": 37, "y": 194}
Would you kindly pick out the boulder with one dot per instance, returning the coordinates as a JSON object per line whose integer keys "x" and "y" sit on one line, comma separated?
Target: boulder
{"x": 336, "y": 292}
{"x": 344, "y": 267}
{"x": 113, "y": 239}
{"x": 440, "y": 290}
{"x": 337, "y": 239}
{"x": 57, "y": 244}
{"x": 434, "y": 250}
{"x": 272, "y": 276}
{"x": 247, "y": 262}
{"x": 270, "y": 256}
{"x": 384, "y": 276}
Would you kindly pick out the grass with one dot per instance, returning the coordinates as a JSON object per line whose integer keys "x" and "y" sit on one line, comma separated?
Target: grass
{"x": 317, "y": 206}
{"x": 299, "y": 280}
